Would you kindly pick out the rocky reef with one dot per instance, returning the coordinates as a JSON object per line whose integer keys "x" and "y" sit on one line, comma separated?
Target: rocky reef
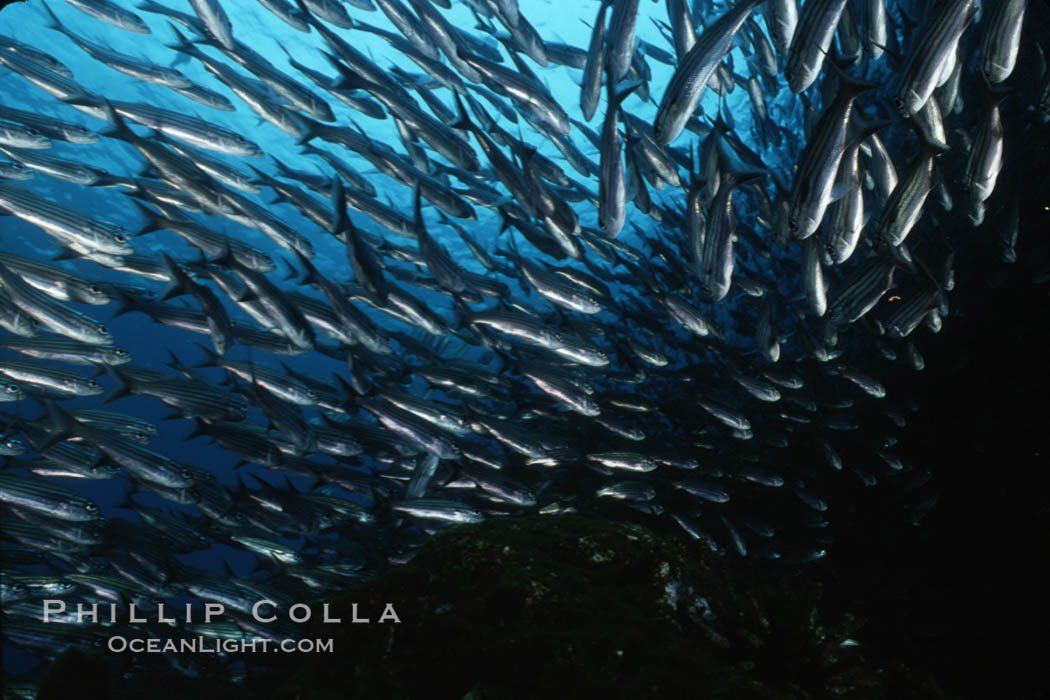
{"x": 527, "y": 607}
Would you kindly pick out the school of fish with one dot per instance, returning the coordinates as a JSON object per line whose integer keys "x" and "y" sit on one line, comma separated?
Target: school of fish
{"x": 430, "y": 290}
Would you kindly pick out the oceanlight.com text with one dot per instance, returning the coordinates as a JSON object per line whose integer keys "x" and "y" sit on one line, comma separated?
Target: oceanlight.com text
{"x": 206, "y": 645}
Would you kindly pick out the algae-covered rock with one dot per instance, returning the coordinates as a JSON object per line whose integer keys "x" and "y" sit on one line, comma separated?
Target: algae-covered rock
{"x": 569, "y": 607}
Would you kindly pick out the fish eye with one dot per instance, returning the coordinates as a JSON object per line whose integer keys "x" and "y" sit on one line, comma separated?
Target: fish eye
{"x": 11, "y": 388}
{"x": 95, "y": 289}
{"x": 898, "y": 103}
{"x": 90, "y": 507}
{"x": 100, "y": 328}
{"x": 788, "y": 74}
{"x": 13, "y": 443}
{"x": 776, "y": 35}
{"x": 18, "y": 587}
{"x": 120, "y": 352}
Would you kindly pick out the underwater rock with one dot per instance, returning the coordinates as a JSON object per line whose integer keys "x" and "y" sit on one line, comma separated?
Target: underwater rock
{"x": 527, "y": 607}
